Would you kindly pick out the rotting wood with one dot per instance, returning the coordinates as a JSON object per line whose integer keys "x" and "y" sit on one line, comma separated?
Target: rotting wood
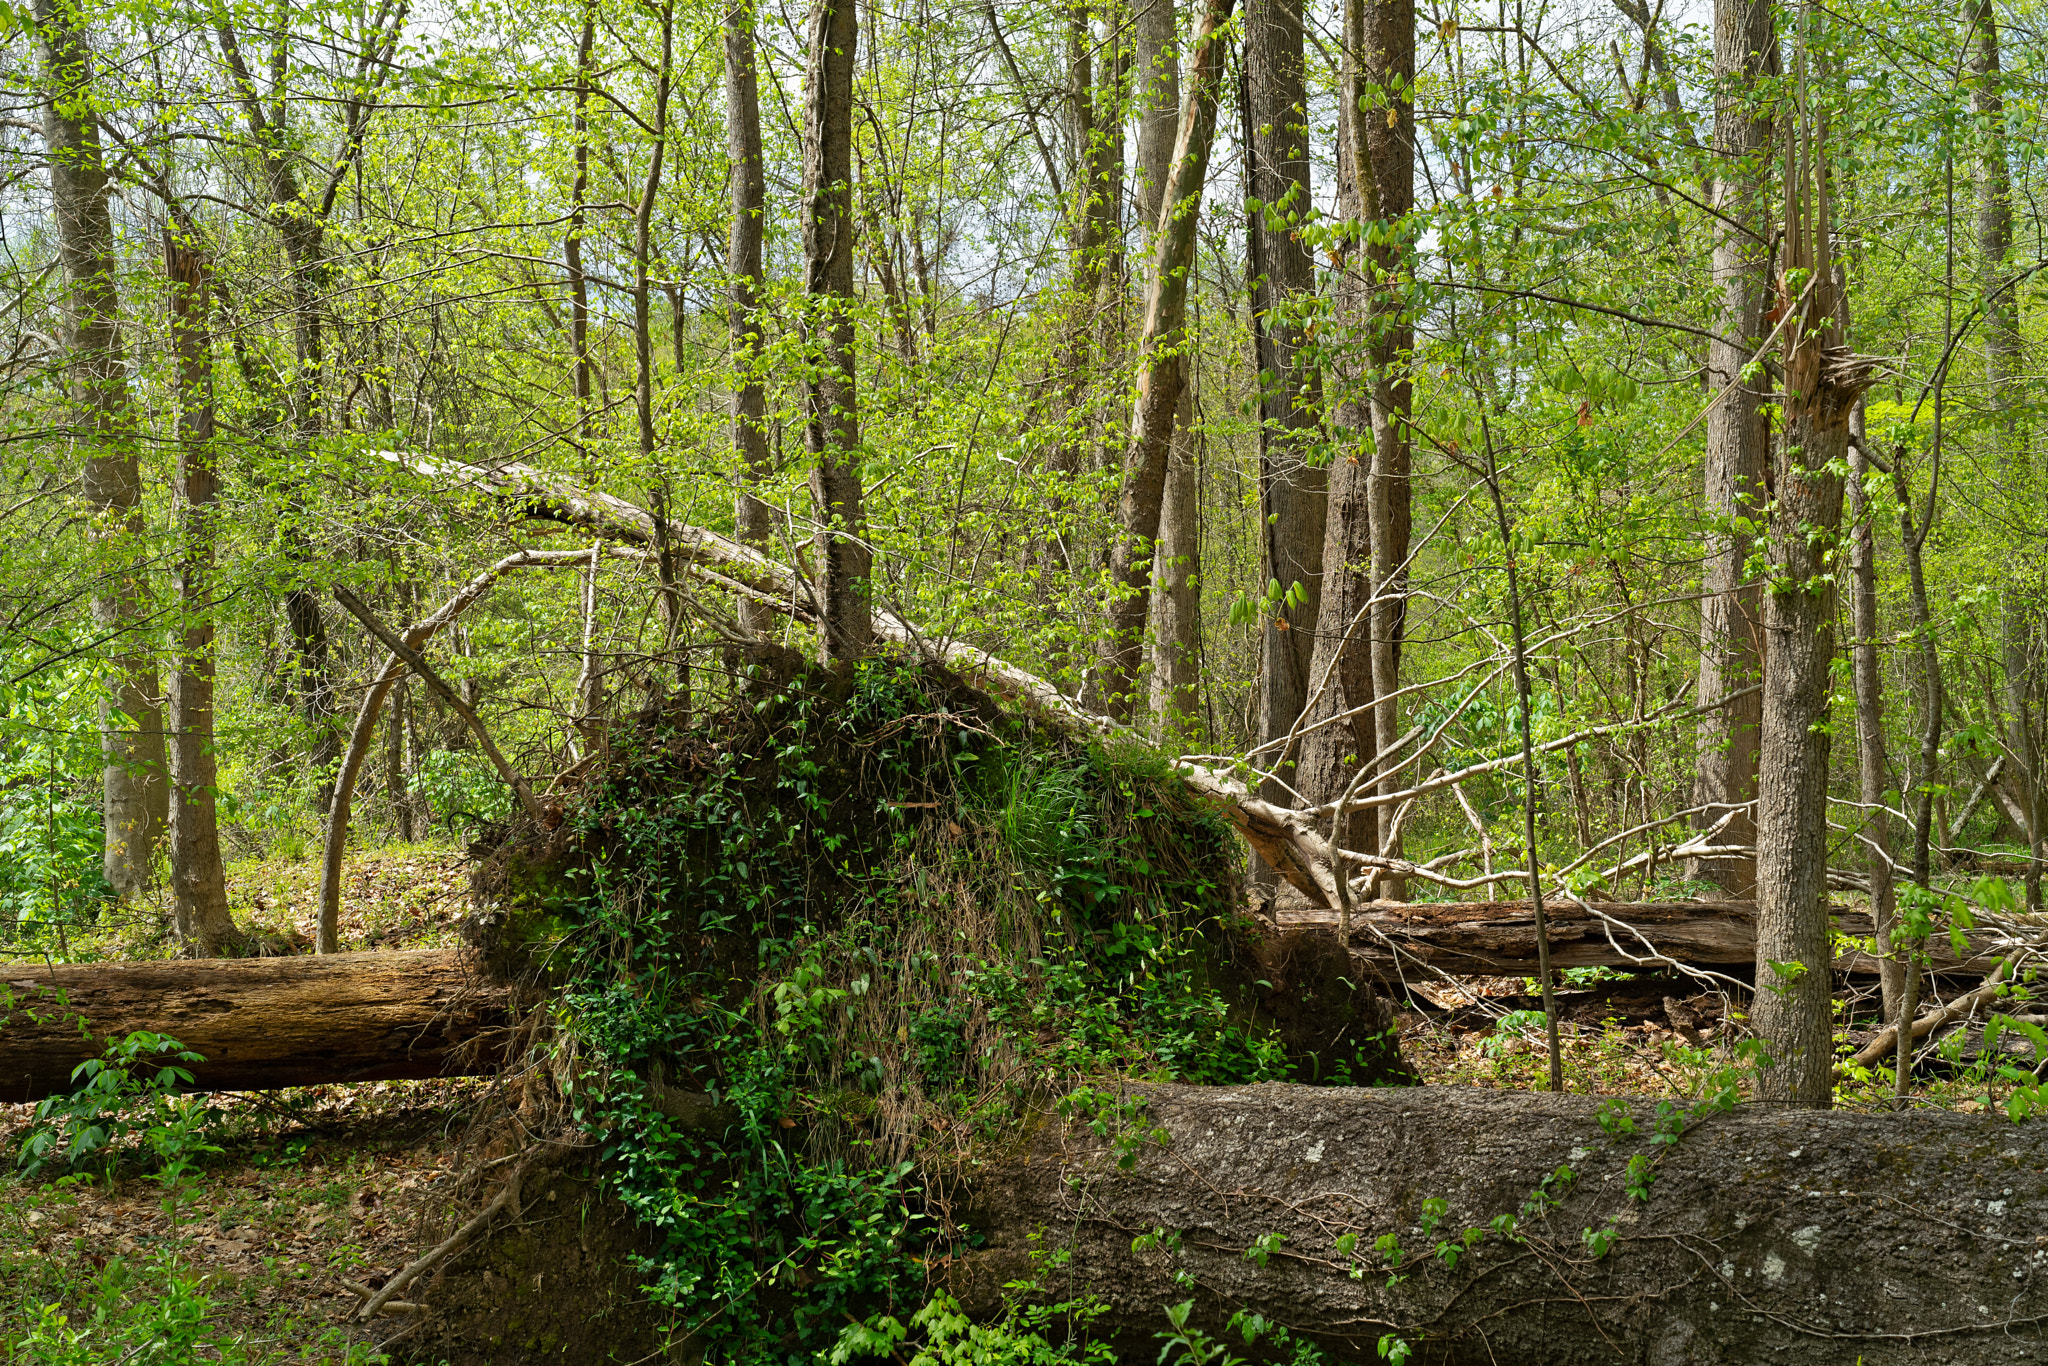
{"x": 260, "y": 1023}
{"x": 1499, "y": 937}
{"x": 1896, "y": 1238}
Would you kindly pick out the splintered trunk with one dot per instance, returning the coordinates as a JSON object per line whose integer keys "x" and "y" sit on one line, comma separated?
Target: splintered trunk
{"x": 832, "y": 417}
{"x": 1293, "y": 490}
{"x": 1162, "y": 369}
{"x": 199, "y": 894}
{"x": 134, "y": 796}
{"x": 1731, "y": 651}
{"x": 755, "y": 519}
{"x": 1792, "y": 1012}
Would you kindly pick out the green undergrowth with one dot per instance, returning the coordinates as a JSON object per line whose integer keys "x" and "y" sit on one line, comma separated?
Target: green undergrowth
{"x": 863, "y": 923}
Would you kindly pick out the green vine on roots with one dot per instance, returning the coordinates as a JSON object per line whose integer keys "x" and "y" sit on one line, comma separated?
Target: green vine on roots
{"x": 863, "y": 920}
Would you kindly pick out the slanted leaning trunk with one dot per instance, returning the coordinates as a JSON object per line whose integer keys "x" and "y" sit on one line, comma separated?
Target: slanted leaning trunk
{"x": 1162, "y": 370}
{"x": 199, "y": 894}
{"x": 1292, "y": 487}
{"x": 755, "y": 519}
{"x": 1745, "y": 56}
{"x": 134, "y": 795}
{"x": 832, "y": 416}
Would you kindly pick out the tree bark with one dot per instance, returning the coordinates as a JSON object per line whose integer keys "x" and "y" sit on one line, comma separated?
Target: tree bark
{"x": 832, "y": 417}
{"x": 1162, "y": 370}
{"x": 1177, "y": 609}
{"x": 572, "y": 241}
{"x": 1873, "y": 765}
{"x": 755, "y": 519}
{"x": 1177, "y": 625}
{"x": 2001, "y": 371}
{"x": 1745, "y": 55}
{"x": 1356, "y": 639}
{"x": 1389, "y": 27}
{"x": 1498, "y": 938}
{"x": 1293, "y": 491}
{"x": 260, "y": 1023}
{"x": 1792, "y": 1012}
{"x": 1896, "y": 1239}
{"x": 135, "y": 799}
{"x": 199, "y": 894}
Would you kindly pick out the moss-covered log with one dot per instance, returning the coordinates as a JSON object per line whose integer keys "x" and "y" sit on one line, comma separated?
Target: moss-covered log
{"x": 1766, "y": 1233}
{"x": 260, "y": 1023}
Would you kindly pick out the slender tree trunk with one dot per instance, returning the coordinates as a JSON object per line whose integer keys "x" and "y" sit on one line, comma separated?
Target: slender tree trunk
{"x": 134, "y": 794}
{"x": 1745, "y": 54}
{"x": 755, "y": 519}
{"x": 1792, "y": 1009}
{"x": 1162, "y": 369}
{"x": 2001, "y": 370}
{"x": 1872, "y": 763}
{"x": 1293, "y": 492}
{"x": 1340, "y": 669}
{"x": 1177, "y": 643}
{"x": 199, "y": 894}
{"x": 643, "y": 350}
{"x": 572, "y": 242}
{"x": 832, "y": 417}
{"x": 396, "y": 788}
{"x": 1087, "y": 239}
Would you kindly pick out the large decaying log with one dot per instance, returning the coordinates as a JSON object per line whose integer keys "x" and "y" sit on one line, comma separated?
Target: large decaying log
{"x": 1499, "y": 937}
{"x": 260, "y": 1023}
{"x": 1892, "y": 1238}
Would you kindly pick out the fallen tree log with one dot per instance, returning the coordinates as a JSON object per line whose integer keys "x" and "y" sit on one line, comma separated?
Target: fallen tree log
{"x": 1889, "y": 1238}
{"x": 1498, "y": 938}
{"x": 260, "y": 1023}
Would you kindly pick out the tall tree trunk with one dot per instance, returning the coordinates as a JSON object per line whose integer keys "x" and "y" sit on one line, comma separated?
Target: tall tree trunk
{"x": 1293, "y": 493}
{"x": 755, "y": 519}
{"x": 1087, "y": 238}
{"x": 1738, "y": 441}
{"x": 134, "y": 795}
{"x": 199, "y": 893}
{"x": 1340, "y": 668}
{"x": 2001, "y": 370}
{"x": 1389, "y": 141}
{"x": 1792, "y": 1010}
{"x": 302, "y": 228}
{"x": 832, "y": 416}
{"x": 1162, "y": 369}
{"x": 643, "y": 349}
{"x": 1176, "y": 654}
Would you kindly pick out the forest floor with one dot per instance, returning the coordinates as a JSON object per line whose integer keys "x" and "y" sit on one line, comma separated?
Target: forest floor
{"x": 243, "y": 1262}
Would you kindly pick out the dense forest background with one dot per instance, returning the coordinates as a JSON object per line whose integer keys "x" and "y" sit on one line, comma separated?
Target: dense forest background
{"x": 1478, "y": 347}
